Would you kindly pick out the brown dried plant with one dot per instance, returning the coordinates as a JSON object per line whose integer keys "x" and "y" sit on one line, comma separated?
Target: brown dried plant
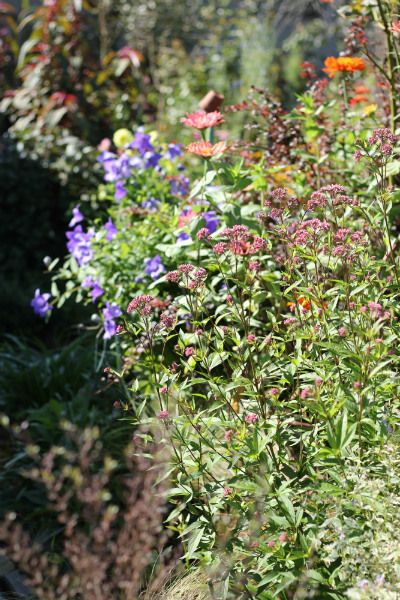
{"x": 111, "y": 515}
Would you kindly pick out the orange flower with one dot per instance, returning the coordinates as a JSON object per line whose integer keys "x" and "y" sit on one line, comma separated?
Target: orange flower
{"x": 346, "y": 64}
{"x": 357, "y": 99}
{"x": 305, "y": 303}
{"x": 205, "y": 149}
{"x": 361, "y": 89}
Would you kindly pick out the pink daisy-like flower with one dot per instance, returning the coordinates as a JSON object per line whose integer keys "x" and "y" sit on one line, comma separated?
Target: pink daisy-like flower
{"x": 202, "y": 120}
{"x": 206, "y": 149}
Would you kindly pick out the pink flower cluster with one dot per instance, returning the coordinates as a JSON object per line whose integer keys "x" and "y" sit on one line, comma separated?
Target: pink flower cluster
{"x": 142, "y": 304}
{"x": 188, "y": 276}
{"x": 279, "y": 195}
{"x": 239, "y": 241}
{"x": 280, "y": 201}
{"x": 319, "y": 199}
{"x": 384, "y": 139}
{"x": 376, "y": 310}
{"x": 309, "y": 231}
{"x": 167, "y": 320}
{"x": 228, "y": 435}
{"x": 251, "y": 418}
{"x": 347, "y": 242}
{"x": 163, "y": 415}
{"x": 203, "y": 233}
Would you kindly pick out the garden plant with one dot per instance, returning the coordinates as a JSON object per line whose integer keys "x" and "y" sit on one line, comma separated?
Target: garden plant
{"x": 243, "y": 292}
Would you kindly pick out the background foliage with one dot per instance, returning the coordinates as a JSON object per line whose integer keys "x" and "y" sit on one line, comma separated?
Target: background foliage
{"x": 238, "y": 313}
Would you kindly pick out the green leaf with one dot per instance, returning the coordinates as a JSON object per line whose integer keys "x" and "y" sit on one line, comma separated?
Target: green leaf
{"x": 194, "y": 542}
{"x": 315, "y": 576}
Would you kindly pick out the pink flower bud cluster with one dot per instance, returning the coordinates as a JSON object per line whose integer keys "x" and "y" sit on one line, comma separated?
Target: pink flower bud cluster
{"x": 308, "y": 231}
{"x": 203, "y": 233}
{"x": 376, "y": 310}
{"x": 384, "y": 139}
{"x": 188, "y": 276}
{"x": 142, "y": 304}
{"x": 167, "y": 320}
{"x": 251, "y": 418}
{"x": 239, "y": 241}
{"x": 319, "y": 199}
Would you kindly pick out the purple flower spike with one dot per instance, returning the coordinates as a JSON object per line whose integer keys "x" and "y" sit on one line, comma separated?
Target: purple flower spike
{"x": 152, "y": 159}
{"x": 183, "y": 237}
{"x": 116, "y": 168}
{"x": 94, "y": 286}
{"x": 40, "y": 303}
{"x": 106, "y": 156}
{"x": 179, "y": 185}
{"x": 141, "y": 142}
{"x": 174, "y": 151}
{"x": 110, "y": 313}
{"x": 88, "y": 282}
{"x": 120, "y": 191}
{"x": 211, "y": 220}
{"x": 110, "y": 229}
{"x": 154, "y": 267}
{"x": 96, "y": 292}
{"x": 79, "y": 245}
{"x": 77, "y": 216}
{"x": 151, "y": 204}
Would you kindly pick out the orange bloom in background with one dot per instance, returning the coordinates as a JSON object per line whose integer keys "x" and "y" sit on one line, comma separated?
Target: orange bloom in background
{"x": 206, "y": 149}
{"x": 203, "y": 120}
{"x": 361, "y": 89}
{"x": 357, "y": 99}
{"x": 305, "y": 303}
{"x": 343, "y": 64}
